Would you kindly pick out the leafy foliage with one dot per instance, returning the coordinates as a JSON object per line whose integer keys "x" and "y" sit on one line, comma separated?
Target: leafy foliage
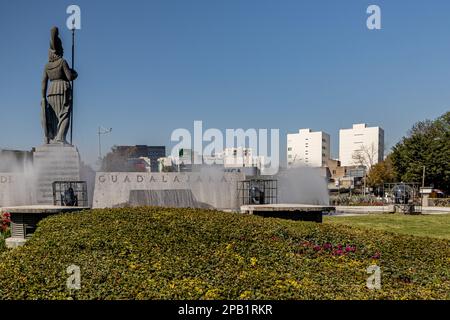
{"x": 439, "y": 202}
{"x": 355, "y": 200}
{"x": 427, "y": 144}
{"x": 381, "y": 173}
{"x": 116, "y": 160}
{"x": 157, "y": 253}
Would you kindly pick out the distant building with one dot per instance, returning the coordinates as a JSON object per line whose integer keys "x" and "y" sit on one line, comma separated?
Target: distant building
{"x": 153, "y": 153}
{"x": 361, "y": 145}
{"x": 229, "y": 160}
{"x": 241, "y": 160}
{"x": 343, "y": 176}
{"x": 166, "y": 164}
{"x": 238, "y": 157}
{"x": 308, "y": 148}
{"x": 338, "y": 172}
{"x": 187, "y": 160}
{"x": 215, "y": 159}
{"x": 137, "y": 157}
{"x": 141, "y": 164}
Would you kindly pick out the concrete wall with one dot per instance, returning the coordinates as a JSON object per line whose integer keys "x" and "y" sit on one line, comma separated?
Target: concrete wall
{"x": 218, "y": 190}
{"x": 15, "y": 189}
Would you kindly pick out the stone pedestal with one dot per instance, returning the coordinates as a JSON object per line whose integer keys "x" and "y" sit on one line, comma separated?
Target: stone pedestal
{"x": 54, "y": 162}
{"x": 12, "y": 243}
{"x": 24, "y": 220}
{"x": 425, "y": 198}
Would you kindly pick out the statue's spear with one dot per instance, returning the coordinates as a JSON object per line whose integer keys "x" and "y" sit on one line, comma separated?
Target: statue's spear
{"x": 73, "y": 22}
{"x": 73, "y": 67}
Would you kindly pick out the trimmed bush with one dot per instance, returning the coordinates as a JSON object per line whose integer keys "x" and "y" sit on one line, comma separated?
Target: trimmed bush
{"x": 439, "y": 202}
{"x": 157, "y": 253}
{"x": 356, "y": 200}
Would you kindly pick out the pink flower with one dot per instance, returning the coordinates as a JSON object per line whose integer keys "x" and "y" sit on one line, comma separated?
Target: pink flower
{"x": 317, "y": 248}
{"x": 376, "y": 256}
{"x": 350, "y": 249}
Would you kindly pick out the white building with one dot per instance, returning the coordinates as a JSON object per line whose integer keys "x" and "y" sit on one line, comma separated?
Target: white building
{"x": 165, "y": 163}
{"x": 361, "y": 145}
{"x": 308, "y": 148}
{"x": 238, "y": 157}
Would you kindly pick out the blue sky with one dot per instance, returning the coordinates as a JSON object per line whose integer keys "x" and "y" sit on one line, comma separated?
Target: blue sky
{"x": 149, "y": 67}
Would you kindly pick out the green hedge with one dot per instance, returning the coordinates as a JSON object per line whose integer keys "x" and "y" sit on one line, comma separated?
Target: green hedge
{"x": 439, "y": 202}
{"x": 154, "y": 253}
{"x": 2, "y": 243}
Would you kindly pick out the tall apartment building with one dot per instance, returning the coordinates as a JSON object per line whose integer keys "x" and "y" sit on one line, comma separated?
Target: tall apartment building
{"x": 308, "y": 148}
{"x": 361, "y": 145}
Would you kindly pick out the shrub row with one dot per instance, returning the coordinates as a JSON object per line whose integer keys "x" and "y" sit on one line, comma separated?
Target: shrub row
{"x": 156, "y": 253}
{"x": 439, "y": 202}
{"x": 356, "y": 200}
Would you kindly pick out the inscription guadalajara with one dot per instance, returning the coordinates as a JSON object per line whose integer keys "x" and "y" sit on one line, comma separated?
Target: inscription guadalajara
{"x": 6, "y": 179}
{"x": 158, "y": 178}
{"x": 216, "y": 189}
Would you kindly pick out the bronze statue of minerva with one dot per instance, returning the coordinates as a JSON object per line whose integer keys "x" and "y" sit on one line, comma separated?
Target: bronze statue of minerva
{"x": 56, "y": 101}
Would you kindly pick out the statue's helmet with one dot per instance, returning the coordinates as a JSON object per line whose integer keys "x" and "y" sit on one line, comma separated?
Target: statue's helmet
{"x": 55, "y": 42}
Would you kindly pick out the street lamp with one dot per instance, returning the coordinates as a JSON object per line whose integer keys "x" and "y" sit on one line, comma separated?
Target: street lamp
{"x": 101, "y": 131}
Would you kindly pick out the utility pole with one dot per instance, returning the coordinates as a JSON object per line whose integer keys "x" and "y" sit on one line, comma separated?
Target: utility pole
{"x": 364, "y": 185}
{"x": 423, "y": 177}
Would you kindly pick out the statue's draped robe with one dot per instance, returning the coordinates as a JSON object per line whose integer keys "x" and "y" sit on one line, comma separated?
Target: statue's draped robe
{"x": 57, "y": 113}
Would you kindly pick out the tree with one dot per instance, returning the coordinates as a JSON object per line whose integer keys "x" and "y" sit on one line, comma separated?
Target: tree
{"x": 366, "y": 156}
{"x": 116, "y": 160}
{"x": 381, "y": 173}
{"x": 426, "y": 145}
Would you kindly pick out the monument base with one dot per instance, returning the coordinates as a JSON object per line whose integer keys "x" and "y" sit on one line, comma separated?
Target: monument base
{"x": 13, "y": 242}
{"x": 173, "y": 189}
{"x": 24, "y": 220}
{"x": 54, "y": 162}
